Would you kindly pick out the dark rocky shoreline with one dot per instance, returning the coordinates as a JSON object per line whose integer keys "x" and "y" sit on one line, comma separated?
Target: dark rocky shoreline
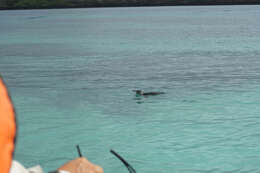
{"x": 49, "y": 4}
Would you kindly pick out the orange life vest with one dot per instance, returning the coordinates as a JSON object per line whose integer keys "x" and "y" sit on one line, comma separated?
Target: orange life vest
{"x": 7, "y": 129}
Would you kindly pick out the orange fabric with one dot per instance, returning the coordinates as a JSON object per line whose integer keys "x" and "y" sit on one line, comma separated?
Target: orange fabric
{"x": 7, "y": 129}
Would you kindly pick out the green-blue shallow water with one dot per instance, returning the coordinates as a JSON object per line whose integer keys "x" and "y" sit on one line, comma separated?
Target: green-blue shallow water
{"x": 71, "y": 73}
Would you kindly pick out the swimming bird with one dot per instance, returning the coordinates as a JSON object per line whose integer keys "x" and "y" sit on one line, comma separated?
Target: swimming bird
{"x": 141, "y": 93}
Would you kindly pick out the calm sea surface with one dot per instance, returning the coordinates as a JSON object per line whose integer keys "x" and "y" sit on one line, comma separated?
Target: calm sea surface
{"x": 71, "y": 73}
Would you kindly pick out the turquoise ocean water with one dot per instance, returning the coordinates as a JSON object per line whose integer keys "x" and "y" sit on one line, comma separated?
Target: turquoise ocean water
{"x": 71, "y": 73}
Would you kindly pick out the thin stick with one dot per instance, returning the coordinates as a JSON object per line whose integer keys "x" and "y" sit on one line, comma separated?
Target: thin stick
{"x": 128, "y": 166}
{"x": 79, "y": 152}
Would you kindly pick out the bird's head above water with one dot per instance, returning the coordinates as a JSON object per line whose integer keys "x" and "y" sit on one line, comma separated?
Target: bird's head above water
{"x": 138, "y": 92}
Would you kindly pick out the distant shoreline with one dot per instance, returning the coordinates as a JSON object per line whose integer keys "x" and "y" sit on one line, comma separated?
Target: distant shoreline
{"x": 66, "y": 4}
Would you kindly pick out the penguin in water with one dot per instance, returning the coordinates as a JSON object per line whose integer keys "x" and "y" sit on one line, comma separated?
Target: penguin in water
{"x": 139, "y": 93}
